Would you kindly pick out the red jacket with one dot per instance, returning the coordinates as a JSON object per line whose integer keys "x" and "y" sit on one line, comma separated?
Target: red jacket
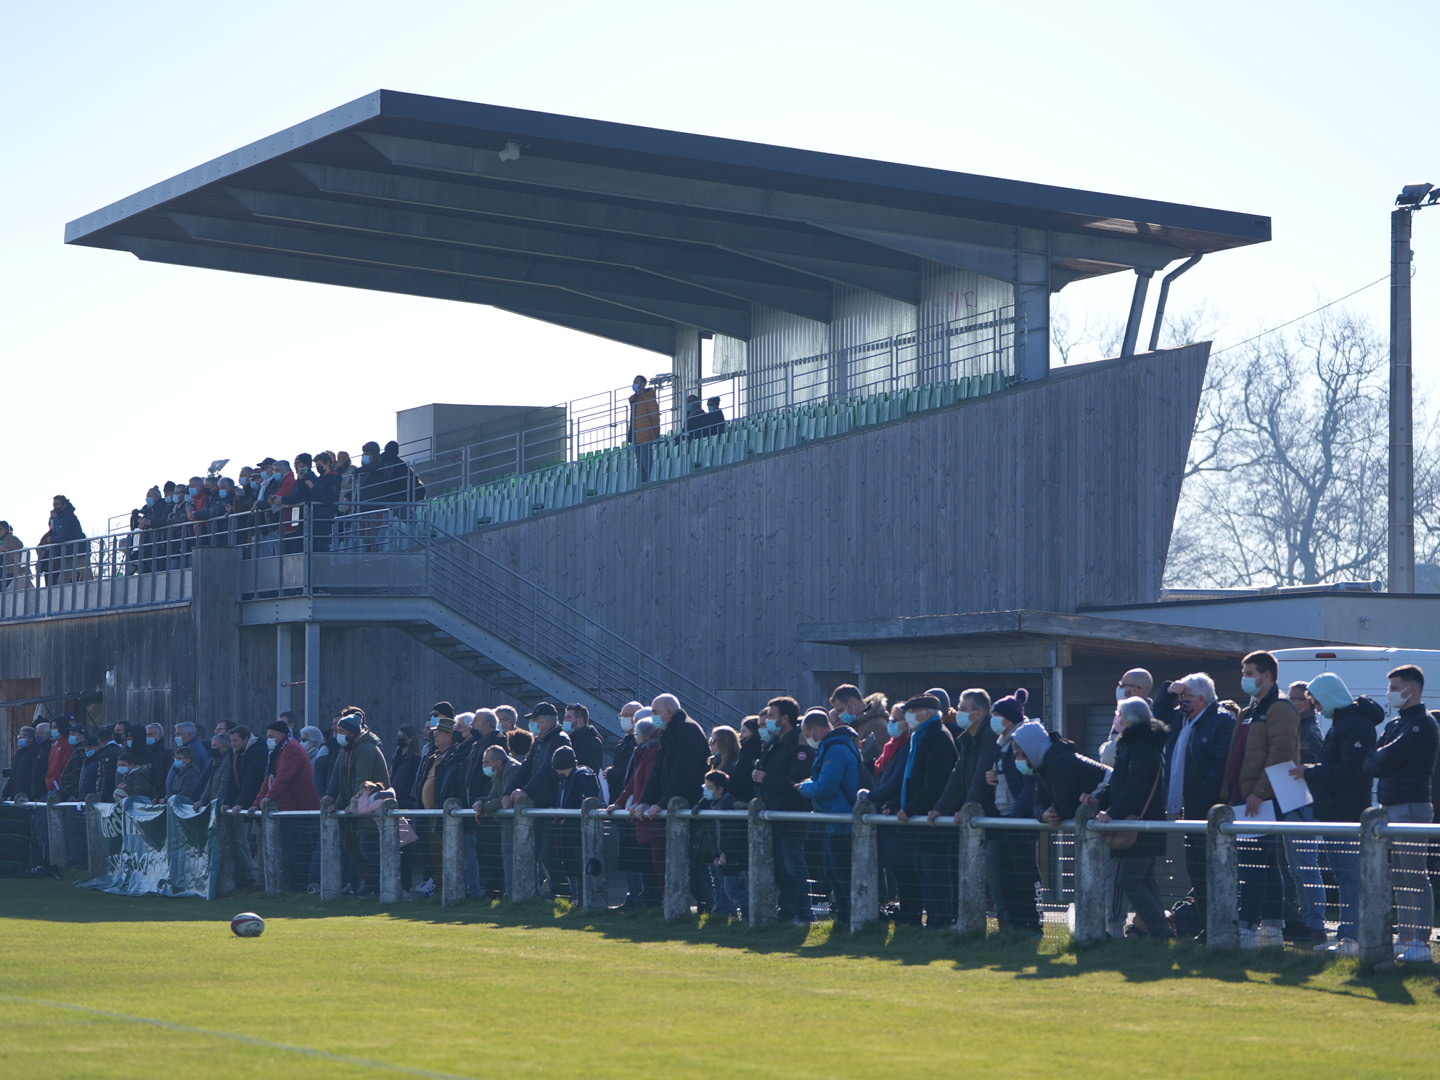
{"x": 289, "y": 778}
{"x": 59, "y": 758}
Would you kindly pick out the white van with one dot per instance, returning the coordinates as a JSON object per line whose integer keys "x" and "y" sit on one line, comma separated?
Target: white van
{"x": 1365, "y": 670}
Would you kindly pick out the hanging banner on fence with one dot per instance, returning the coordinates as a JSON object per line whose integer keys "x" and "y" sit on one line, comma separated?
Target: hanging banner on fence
{"x": 166, "y": 849}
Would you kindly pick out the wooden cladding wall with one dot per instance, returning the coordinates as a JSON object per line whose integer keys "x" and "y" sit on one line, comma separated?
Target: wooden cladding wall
{"x": 1052, "y": 495}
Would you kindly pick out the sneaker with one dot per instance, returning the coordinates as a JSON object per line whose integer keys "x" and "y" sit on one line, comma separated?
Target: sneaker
{"x": 1344, "y": 946}
{"x": 1249, "y": 939}
{"x": 1270, "y": 937}
{"x": 348, "y": 890}
{"x": 313, "y": 890}
{"x": 427, "y": 889}
{"x": 1416, "y": 952}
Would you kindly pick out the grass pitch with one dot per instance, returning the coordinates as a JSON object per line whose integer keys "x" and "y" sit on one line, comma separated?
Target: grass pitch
{"x": 104, "y": 986}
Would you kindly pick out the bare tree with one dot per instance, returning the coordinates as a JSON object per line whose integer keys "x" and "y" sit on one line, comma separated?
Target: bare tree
{"x": 1286, "y": 478}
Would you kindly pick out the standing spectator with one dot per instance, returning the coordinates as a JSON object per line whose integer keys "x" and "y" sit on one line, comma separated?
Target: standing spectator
{"x": 783, "y": 767}
{"x": 589, "y": 749}
{"x": 160, "y": 756}
{"x": 1305, "y": 889}
{"x": 1003, "y": 789}
{"x": 731, "y": 847}
{"x": 974, "y": 746}
{"x": 69, "y": 538}
{"x": 833, "y": 787}
{"x": 694, "y": 416}
{"x": 22, "y": 767}
{"x": 133, "y": 779}
{"x": 324, "y": 500}
{"x": 186, "y": 735}
{"x": 536, "y": 778}
{"x": 752, "y": 748}
{"x": 85, "y": 752}
{"x": 37, "y": 786}
{"x": 349, "y": 474}
{"x": 1341, "y": 788}
{"x": 290, "y": 782}
{"x": 66, "y": 740}
{"x": 679, "y": 772}
{"x": 620, "y": 760}
{"x": 508, "y": 717}
{"x": 14, "y": 566}
{"x": 644, "y": 429}
{"x": 318, "y": 750}
{"x": 248, "y": 759}
{"x": 638, "y": 861}
{"x": 1404, "y": 761}
{"x": 929, "y": 873}
{"x": 1134, "y": 793}
{"x": 1268, "y": 734}
{"x": 361, "y": 758}
{"x": 1196, "y": 753}
{"x": 110, "y": 757}
{"x": 577, "y": 783}
{"x": 500, "y": 769}
{"x": 185, "y": 780}
{"x": 714, "y": 417}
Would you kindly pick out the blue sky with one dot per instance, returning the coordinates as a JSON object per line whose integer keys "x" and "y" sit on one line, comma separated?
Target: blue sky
{"x": 120, "y": 374}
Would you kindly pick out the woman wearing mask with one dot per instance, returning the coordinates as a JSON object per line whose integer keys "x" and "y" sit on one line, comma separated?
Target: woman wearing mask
{"x": 1134, "y": 792}
{"x": 724, "y": 749}
{"x": 313, "y": 740}
{"x": 742, "y": 788}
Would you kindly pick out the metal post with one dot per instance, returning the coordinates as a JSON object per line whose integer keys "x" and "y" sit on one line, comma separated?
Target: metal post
{"x": 864, "y": 868}
{"x": 1137, "y": 310}
{"x": 970, "y": 912}
{"x": 522, "y": 853}
{"x": 55, "y": 826}
{"x": 312, "y": 670}
{"x": 283, "y": 670}
{"x": 1373, "y": 919}
{"x": 329, "y": 854}
{"x": 1401, "y": 576}
{"x": 1222, "y": 864}
{"x": 592, "y": 856}
{"x": 676, "y": 895}
{"x": 96, "y": 853}
{"x": 389, "y": 824}
{"x": 1092, "y": 860}
{"x": 452, "y": 856}
{"x": 763, "y": 900}
{"x": 272, "y": 855}
{"x": 1159, "y": 322}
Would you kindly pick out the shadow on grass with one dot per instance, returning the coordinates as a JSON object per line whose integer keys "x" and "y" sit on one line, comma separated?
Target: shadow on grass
{"x": 1055, "y": 957}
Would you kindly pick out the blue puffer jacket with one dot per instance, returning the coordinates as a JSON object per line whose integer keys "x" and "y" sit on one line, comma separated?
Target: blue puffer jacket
{"x": 835, "y": 777}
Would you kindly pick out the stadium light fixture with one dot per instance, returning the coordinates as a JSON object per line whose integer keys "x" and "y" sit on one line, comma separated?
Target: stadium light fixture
{"x": 1411, "y": 194}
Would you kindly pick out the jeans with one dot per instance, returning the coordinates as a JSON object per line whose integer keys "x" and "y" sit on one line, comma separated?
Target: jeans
{"x": 837, "y": 873}
{"x": 1343, "y": 859}
{"x": 792, "y": 873}
{"x": 644, "y": 456}
{"x": 1018, "y": 875}
{"x": 1262, "y": 889}
{"x": 1302, "y": 855}
{"x": 933, "y": 859}
{"x": 1136, "y": 879}
{"x": 731, "y": 895}
{"x": 1414, "y": 898}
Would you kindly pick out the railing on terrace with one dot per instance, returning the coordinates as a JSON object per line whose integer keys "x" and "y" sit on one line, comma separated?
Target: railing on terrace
{"x": 582, "y": 863}
{"x": 976, "y": 346}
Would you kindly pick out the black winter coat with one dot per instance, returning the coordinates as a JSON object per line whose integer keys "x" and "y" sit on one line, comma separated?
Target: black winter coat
{"x": 536, "y": 777}
{"x": 1338, "y": 780}
{"x": 1137, "y": 787}
{"x": 589, "y": 747}
{"x": 741, "y": 786}
{"x": 22, "y": 772}
{"x": 247, "y": 772}
{"x": 1206, "y": 754}
{"x": 1404, "y": 760}
{"x": 934, "y": 762}
{"x": 1063, "y": 776}
{"x": 680, "y": 769}
{"x": 786, "y": 762}
{"x": 970, "y": 751}
{"x": 405, "y": 768}
{"x": 619, "y": 769}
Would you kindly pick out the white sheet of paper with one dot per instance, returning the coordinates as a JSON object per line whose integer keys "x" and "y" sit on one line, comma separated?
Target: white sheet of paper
{"x": 1265, "y": 813}
{"x": 1290, "y": 793}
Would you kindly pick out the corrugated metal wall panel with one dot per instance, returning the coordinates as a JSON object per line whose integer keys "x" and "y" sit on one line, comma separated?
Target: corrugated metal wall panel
{"x": 948, "y": 294}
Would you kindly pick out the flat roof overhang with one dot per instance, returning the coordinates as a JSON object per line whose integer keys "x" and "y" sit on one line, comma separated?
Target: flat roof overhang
{"x": 621, "y": 231}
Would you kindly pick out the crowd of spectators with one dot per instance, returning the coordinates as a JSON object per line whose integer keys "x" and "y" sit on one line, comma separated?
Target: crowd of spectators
{"x": 1173, "y": 752}
{"x": 269, "y": 505}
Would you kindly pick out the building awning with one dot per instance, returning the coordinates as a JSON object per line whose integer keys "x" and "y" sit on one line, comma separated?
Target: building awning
{"x": 621, "y": 231}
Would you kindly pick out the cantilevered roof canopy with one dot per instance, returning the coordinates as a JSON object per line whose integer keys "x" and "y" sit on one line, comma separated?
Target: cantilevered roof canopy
{"x": 625, "y": 232}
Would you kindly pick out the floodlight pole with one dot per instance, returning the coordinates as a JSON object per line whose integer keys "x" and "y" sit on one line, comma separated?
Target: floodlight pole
{"x": 1401, "y": 577}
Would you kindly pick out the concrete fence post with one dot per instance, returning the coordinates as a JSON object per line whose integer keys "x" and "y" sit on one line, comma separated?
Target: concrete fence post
{"x": 96, "y": 852}
{"x": 970, "y": 911}
{"x": 330, "y": 883}
{"x": 1372, "y": 921}
{"x": 761, "y": 840}
{"x": 522, "y": 866}
{"x": 452, "y": 855}
{"x": 1222, "y": 865}
{"x": 55, "y": 827}
{"x": 1092, "y": 878}
{"x": 272, "y": 855}
{"x": 594, "y": 896}
{"x": 676, "y": 897}
{"x": 225, "y": 824}
{"x": 864, "y": 868}
{"x": 389, "y": 825}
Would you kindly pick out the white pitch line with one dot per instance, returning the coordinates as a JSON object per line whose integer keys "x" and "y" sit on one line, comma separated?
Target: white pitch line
{"x": 248, "y": 1040}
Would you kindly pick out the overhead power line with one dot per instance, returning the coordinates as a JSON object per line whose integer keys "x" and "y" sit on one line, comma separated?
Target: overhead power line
{"x": 1292, "y": 322}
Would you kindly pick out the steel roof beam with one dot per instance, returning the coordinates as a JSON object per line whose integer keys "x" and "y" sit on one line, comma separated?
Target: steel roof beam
{"x": 706, "y": 268}
{"x": 642, "y": 292}
{"x": 622, "y": 325}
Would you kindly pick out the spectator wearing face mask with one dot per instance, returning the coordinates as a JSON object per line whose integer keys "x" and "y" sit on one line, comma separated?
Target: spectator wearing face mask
{"x": 88, "y": 782}
{"x": 132, "y": 777}
{"x": 361, "y": 758}
{"x": 644, "y": 429}
{"x": 61, "y": 751}
{"x": 577, "y": 783}
{"x": 833, "y": 788}
{"x": 70, "y": 780}
{"x": 184, "y": 780}
{"x": 500, "y": 769}
{"x": 586, "y": 741}
{"x": 1003, "y": 789}
{"x": 22, "y": 766}
{"x": 752, "y": 748}
{"x": 638, "y": 856}
{"x": 784, "y": 765}
{"x": 536, "y": 778}
{"x": 318, "y": 750}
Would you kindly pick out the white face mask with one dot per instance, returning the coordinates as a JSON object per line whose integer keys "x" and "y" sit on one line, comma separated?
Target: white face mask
{"x": 912, "y": 721}
{"x": 1396, "y": 698}
{"x": 814, "y": 744}
{"x": 1120, "y": 694}
{"x": 627, "y": 724}
{"x": 272, "y": 743}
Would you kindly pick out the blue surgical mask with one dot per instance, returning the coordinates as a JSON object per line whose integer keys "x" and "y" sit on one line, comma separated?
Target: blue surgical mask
{"x": 1024, "y": 767}
{"x": 1249, "y": 686}
{"x": 255, "y": 484}
{"x": 224, "y": 493}
{"x": 364, "y": 459}
{"x": 707, "y": 793}
{"x": 194, "y": 491}
{"x": 151, "y": 740}
{"x": 181, "y": 763}
{"x": 534, "y": 727}
{"x": 637, "y": 385}
{"x": 122, "y": 770}
{"x": 22, "y": 743}
{"x": 997, "y": 724}
{"x": 74, "y": 740}
{"x": 847, "y": 717}
{"x": 149, "y": 500}
{"x": 342, "y": 738}
{"x": 90, "y": 752}
{"x": 489, "y": 771}
{"x": 272, "y": 743}
{"x": 568, "y": 727}
{"x": 893, "y": 728}
{"x": 658, "y": 721}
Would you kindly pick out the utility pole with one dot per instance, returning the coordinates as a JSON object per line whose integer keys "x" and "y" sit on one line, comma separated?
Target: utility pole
{"x": 1401, "y": 576}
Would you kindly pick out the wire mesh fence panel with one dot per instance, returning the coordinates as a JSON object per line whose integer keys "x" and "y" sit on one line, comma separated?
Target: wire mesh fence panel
{"x": 1413, "y": 904}
{"x": 795, "y": 870}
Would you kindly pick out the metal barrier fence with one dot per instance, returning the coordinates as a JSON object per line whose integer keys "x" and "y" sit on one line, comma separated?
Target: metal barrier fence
{"x": 945, "y": 875}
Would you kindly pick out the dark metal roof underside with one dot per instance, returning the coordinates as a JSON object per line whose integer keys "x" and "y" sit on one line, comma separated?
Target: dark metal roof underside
{"x": 621, "y": 231}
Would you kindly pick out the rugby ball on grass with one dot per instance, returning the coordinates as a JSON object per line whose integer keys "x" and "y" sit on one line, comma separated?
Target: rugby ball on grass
{"x": 247, "y": 924}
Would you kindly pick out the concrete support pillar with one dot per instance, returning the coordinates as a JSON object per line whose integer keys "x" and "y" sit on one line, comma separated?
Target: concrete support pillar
{"x": 763, "y": 898}
{"x": 1373, "y": 918}
{"x": 522, "y": 862}
{"x": 1092, "y": 879}
{"x": 96, "y": 853}
{"x": 1222, "y": 863}
{"x": 284, "y": 666}
{"x": 675, "y": 903}
{"x": 686, "y": 368}
{"x": 970, "y": 912}
{"x": 864, "y": 868}
{"x": 55, "y": 828}
{"x": 329, "y": 854}
{"x": 1032, "y": 303}
{"x": 215, "y": 615}
{"x": 272, "y": 854}
{"x": 229, "y": 827}
{"x": 592, "y": 856}
{"x": 312, "y": 671}
{"x": 452, "y": 856}
{"x": 389, "y": 823}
